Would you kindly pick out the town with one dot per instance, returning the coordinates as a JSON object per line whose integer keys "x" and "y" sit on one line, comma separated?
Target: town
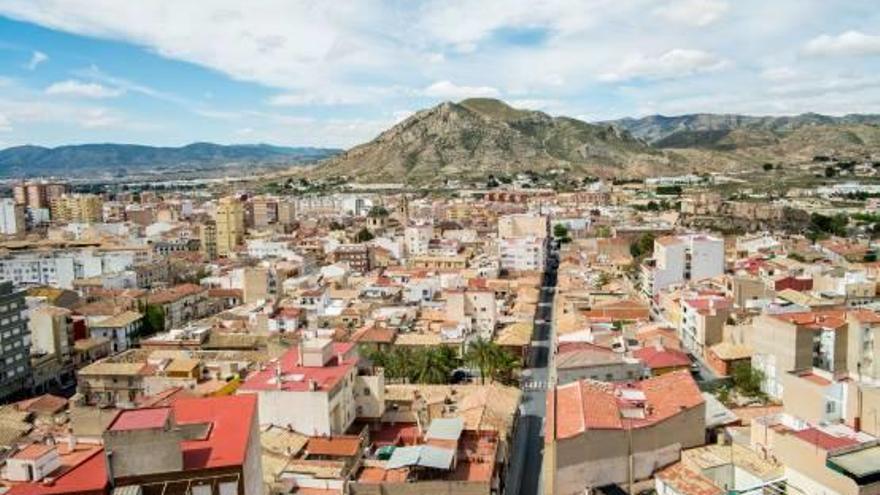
{"x": 633, "y": 336}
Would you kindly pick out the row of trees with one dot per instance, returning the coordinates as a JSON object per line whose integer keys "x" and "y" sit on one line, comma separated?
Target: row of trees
{"x": 435, "y": 365}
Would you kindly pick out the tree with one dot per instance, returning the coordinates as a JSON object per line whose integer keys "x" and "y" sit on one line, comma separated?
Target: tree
{"x": 747, "y": 380}
{"x": 363, "y": 235}
{"x": 154, "y": 319}
{"x": 603, "y": 231}
{"x": 830, "y": 171}
{"x": 492, "y": 360}
{"x": 479, "y": 355}
{"x": 642, "y": 246}
{"x": 560, "y": 232}
{"x": 767, "y": 167}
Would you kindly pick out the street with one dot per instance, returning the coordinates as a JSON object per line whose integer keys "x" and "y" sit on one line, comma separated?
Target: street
{"x": 524, "y": 473}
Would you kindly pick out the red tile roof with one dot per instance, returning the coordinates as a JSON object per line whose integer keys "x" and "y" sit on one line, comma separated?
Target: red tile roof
{"x": 823, "y": 440}
{"x": 226, "y": 444}
{"x": 296, "y": 378}
{"x": 657, "y": 357}
{"x": 815, "y": 320}
{"x": 83, "y": 471}
{"x": 140, "y": 419}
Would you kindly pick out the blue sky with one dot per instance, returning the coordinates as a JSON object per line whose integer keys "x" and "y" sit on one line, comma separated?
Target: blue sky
{"x": 170, "y": 72}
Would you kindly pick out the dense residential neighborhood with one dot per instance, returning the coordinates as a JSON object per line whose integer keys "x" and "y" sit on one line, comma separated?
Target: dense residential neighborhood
{"x": 503, "y": 340}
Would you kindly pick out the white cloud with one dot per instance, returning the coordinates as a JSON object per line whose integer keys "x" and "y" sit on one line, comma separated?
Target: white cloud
{"x": 693, "y": 12}
{"x": 678, "y": 62}
{"x": 5, "y": 124}
{"x": 37, "y": 58}
{"x": 845, "y": 44}
{"x": 782, "y": 73}
{"x": 99, "y": 117}
{"x": 308, "y": 99}
{"x": 451, "y": 91}
{"x": 73, "y": 87}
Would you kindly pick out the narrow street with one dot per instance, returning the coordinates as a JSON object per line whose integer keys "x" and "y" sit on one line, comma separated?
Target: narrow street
{"x": 524, "y": 473}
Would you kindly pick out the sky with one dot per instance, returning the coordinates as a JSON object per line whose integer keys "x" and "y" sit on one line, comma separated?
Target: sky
{"x": 337, "y": 73}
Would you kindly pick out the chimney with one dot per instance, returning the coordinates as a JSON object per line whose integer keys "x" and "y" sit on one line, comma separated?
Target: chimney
{"x": 278, "y": 376}
{"x": 313, "y": 385}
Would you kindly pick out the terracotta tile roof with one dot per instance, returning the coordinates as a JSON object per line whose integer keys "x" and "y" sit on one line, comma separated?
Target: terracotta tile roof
{"x": 590, "y": 404}
{"x": 174, "y": 293}
{"x": 374, "y": 335}
{"x": 33, "y": 452}
{"x": 825, "y": 441}
{"x": 815, "y": 320}
{"x": 658, "y": 357}
{"x": 340, "y": 446}
{"x": 44, "y": 404}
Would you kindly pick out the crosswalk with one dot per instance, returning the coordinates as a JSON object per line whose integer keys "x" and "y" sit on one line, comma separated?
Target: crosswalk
{"x": 534, "y": 385}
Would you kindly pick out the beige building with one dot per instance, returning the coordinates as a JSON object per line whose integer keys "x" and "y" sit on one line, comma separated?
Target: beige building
{"x": 208, "y": 238}
{"x": 77, "y": 208}
{"x": 863, "y": 339}
{"x": 595, "y": 425}
{"x": 229, "y": 219}
{"x": 798, "y": 341}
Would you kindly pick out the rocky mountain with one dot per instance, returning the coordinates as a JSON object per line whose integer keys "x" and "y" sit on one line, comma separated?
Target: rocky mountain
{"x": 479, "y": 137}
{"x": 127, "y": 158}
{"x": 726, "y": 130}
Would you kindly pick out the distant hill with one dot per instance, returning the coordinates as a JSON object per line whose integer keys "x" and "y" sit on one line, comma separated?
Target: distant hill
{"x": 113, "y": 158}
{"x": 479, "y": 137}
{"x": 707, "y": 130}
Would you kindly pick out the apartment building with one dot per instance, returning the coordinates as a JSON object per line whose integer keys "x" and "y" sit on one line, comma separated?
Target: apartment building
{"x": 416, "y": 239}
{"x": 264, "y": 212}
{"x": 181, "y": 304}
{"x": 702, "y": 322}
{"x": 678, "y": 259}
{"x": 60, "y": 268}
{"x": 357, "y": 256}
{"x": 522, "y": 242}
{"x": 863, "y": 339}
{"x": 317, "y": 389}
{"x": 230, "y": 227}
{"x": 15, "y": 369}
{"x": 208, "y": 239}
{"x": 12, "y": 217}
{"x": 77, "y": 208}
{"x": 798, "y": 341}
{"x": 38, "y": 194}
{"x": 476, "y": 310}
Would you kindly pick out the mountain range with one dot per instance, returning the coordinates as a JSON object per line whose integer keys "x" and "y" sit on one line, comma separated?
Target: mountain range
{"x": 480, "y": 137}
{"x": 77, "y": 160}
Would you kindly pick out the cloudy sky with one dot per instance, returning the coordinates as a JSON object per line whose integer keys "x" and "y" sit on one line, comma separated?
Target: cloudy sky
{"x": 335, "y": 73}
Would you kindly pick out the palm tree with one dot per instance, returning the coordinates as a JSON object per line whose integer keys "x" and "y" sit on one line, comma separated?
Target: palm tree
{"x": 504, "y": 363}
{"x": 429, "y": 367}
{"x": 492, "y": 360}
{"x": 480, "y": 354}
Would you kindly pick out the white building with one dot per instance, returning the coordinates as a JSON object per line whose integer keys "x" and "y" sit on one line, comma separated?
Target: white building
{"x": 416, "y": 239}
{"x": 317, "y": 389}
{"x": 12, "y": 219}
{"x": 61, "y": 268}
{"x": 522, "y": 242}
{"x": 678, "y": 259}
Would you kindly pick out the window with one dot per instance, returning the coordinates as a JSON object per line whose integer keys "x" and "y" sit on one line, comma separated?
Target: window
{"x": 201, "y": 490}
{"x": 366, "y": 390}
